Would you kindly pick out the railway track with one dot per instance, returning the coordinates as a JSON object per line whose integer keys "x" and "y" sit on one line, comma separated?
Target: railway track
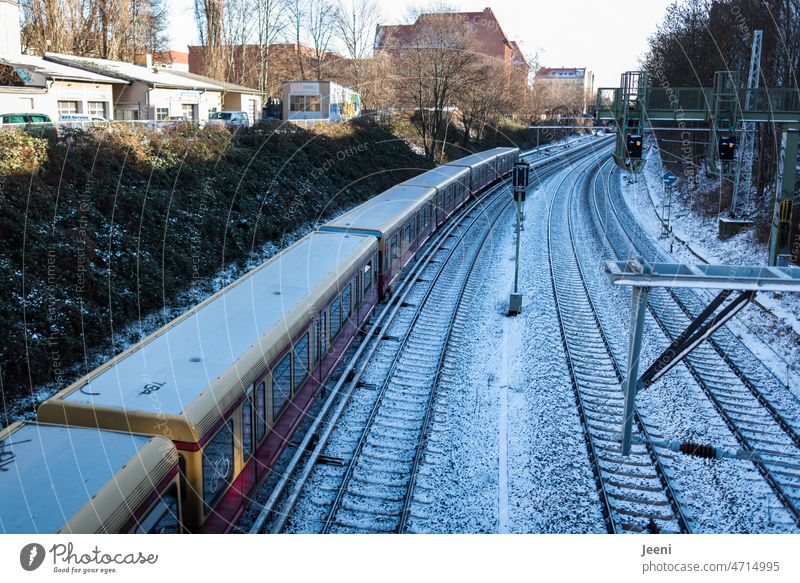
{"x": 636, "y": 492}
{"x": 368, "y": 457}
{"x": 744, "y": 393}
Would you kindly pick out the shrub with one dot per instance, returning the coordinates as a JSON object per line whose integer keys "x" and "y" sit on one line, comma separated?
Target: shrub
{"x": 21, "y": 153}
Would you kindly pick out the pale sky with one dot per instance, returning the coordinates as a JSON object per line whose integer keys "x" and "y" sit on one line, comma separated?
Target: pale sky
{"x": 606, "y": 36}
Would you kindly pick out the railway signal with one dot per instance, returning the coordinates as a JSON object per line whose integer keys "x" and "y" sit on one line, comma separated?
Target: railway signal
{"x": 722, "y": 107}
{"x": 521, "y": 177}
{"x": 633, "y": 146}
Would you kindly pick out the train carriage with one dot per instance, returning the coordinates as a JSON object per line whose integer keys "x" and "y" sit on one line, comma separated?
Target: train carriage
{"x": 229, "y": 381}
{"x": 452, "y": 184}
{"x": 481, "y": 167}
{"x": 56, "y": 479}
{"x": 505, "y": 158}
{"x": 402, "y": 219}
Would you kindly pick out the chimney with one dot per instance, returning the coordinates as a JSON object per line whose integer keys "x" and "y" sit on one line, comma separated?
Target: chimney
{"x": 141, "y": 59}
{"x": 9, "y": 29}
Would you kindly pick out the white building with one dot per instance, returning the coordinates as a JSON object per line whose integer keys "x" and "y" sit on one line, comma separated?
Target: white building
{"x": 319, "y": 100}
{"x": 150, "y": 92}
{"x": 31, "y": 84}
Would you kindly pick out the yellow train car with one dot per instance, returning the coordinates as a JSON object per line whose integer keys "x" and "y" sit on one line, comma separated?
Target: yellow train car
{"x": 230, "y": 380}
{"x": 56, "y": 479}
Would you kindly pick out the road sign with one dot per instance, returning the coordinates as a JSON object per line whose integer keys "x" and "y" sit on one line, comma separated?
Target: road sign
{"x": 669, "y": 179}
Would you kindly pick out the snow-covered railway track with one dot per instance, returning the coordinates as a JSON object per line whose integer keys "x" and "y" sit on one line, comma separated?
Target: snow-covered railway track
{"x": 635, "y": 491}
{"x": 377, "y": 485}
{"x": 299, "y": 500}
{"x": 761, "y": 416}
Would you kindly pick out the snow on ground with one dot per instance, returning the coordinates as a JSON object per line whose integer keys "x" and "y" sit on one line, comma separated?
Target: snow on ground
{"x": 514, "y": 418}
{"x": 722, "y": 497}
{"x": 772, "y": 330}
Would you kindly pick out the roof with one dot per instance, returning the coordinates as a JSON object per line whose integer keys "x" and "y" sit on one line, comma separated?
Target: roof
{"x": 474, "y": 159}
{"x": 130, "y": 72}
{"x": 440, "y": 176}
{"x": 223, "y": 84}
{"x": 171, "y": 58}
{"x": 209, "y": 350}
{"x": 52, "y": 70}
{"x": 51, "y": 472}
{"x": 402, "y": 33}
{"x": 381, "y": 214}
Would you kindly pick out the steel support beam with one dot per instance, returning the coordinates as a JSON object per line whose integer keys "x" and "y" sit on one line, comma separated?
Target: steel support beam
{"x": 631, "y": 383}
{"x": 786, "y": 179}
{"x": 703, "y": 326}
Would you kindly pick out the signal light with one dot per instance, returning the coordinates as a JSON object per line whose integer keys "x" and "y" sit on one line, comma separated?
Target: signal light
{"x": 727, "y": 147}
{"x": 633, "y": 144}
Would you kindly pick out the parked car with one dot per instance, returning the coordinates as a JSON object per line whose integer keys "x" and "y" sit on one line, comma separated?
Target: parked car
{"x": 231, "y": 119}
{"x": 24, "y": 118}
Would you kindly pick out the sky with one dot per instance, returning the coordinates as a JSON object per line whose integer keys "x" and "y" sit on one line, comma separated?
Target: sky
{"x": 608, "y": 37}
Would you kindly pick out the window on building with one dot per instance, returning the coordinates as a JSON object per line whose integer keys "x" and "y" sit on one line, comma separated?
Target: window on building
{"x": 297, "y": 103}
{"x": 125, "y": 114}
{"x": 313, "y": 103}
{"x": 190, "y": 111}
{"x": 162, "y": 113}
{"x": 98, "y": 109}
{"x": 68, "y": 107}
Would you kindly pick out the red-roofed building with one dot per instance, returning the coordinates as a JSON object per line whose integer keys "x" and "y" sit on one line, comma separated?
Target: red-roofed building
{"x": 175, "y": 60}
{"x": 487, "y": 38}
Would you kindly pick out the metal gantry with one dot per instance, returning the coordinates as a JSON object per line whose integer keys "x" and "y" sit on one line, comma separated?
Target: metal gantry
{"x": 635, "y": 103}
{"x": 642, "y": 276}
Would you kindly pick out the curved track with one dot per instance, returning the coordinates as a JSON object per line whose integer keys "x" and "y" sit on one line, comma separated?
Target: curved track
{"x": 762, "y": 418}
{"x": 635, "y": 491}
{"x": 369, "y": 483}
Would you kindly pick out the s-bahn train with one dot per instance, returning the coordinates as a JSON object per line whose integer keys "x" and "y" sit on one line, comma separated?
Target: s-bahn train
{"x": 189, "y": 421}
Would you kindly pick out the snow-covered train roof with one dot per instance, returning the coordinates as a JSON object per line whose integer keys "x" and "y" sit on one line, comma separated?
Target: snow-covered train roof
{"x": 440, "y": 176}
{"x": 474, "y": 159}
{"x": 383, "y": 213}
{"x": 49, "y": 474}
{"x": 195, "y": 367}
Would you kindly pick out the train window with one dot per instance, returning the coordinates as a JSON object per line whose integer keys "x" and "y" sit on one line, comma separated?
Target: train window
{"x": 300, "y": 361}
{"x": 393, "y": 255}
{"x": 247, "y": 427}
{"x": 261, "y": 412}
{"x": 336, "y": 317}
{"x": 281, "y": 385}
{"x": 317, "y": 351}
{"x": 163, "y": 518}
{"x": 407, "y": 234}
{"x": 346, "y": 301}
{"x": 367, "y": 277}
{"x": 321, "y": 342}
{"x": 217, "y": 465}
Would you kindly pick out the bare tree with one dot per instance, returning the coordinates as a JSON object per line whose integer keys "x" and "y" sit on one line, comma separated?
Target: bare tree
{"x": 297, "y": 13}
{"x": 209, "y": 15}
{"x": 435, "y": 66}
{"x": 483, "y": 100}
{"x": 355, "y": 29}
{"x": 271, "y": 22}
{"x": 321, "y": 19}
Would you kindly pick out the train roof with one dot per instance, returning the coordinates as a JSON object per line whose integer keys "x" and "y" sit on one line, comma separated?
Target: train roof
{"x": 502, "y": 150}
{"x": 193, "y": 369}
{"x": 440, "y": 176}
{"x": 474, "y": 159}
{"x": 67, "y": 479}
{"x": 383, "y": 213}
